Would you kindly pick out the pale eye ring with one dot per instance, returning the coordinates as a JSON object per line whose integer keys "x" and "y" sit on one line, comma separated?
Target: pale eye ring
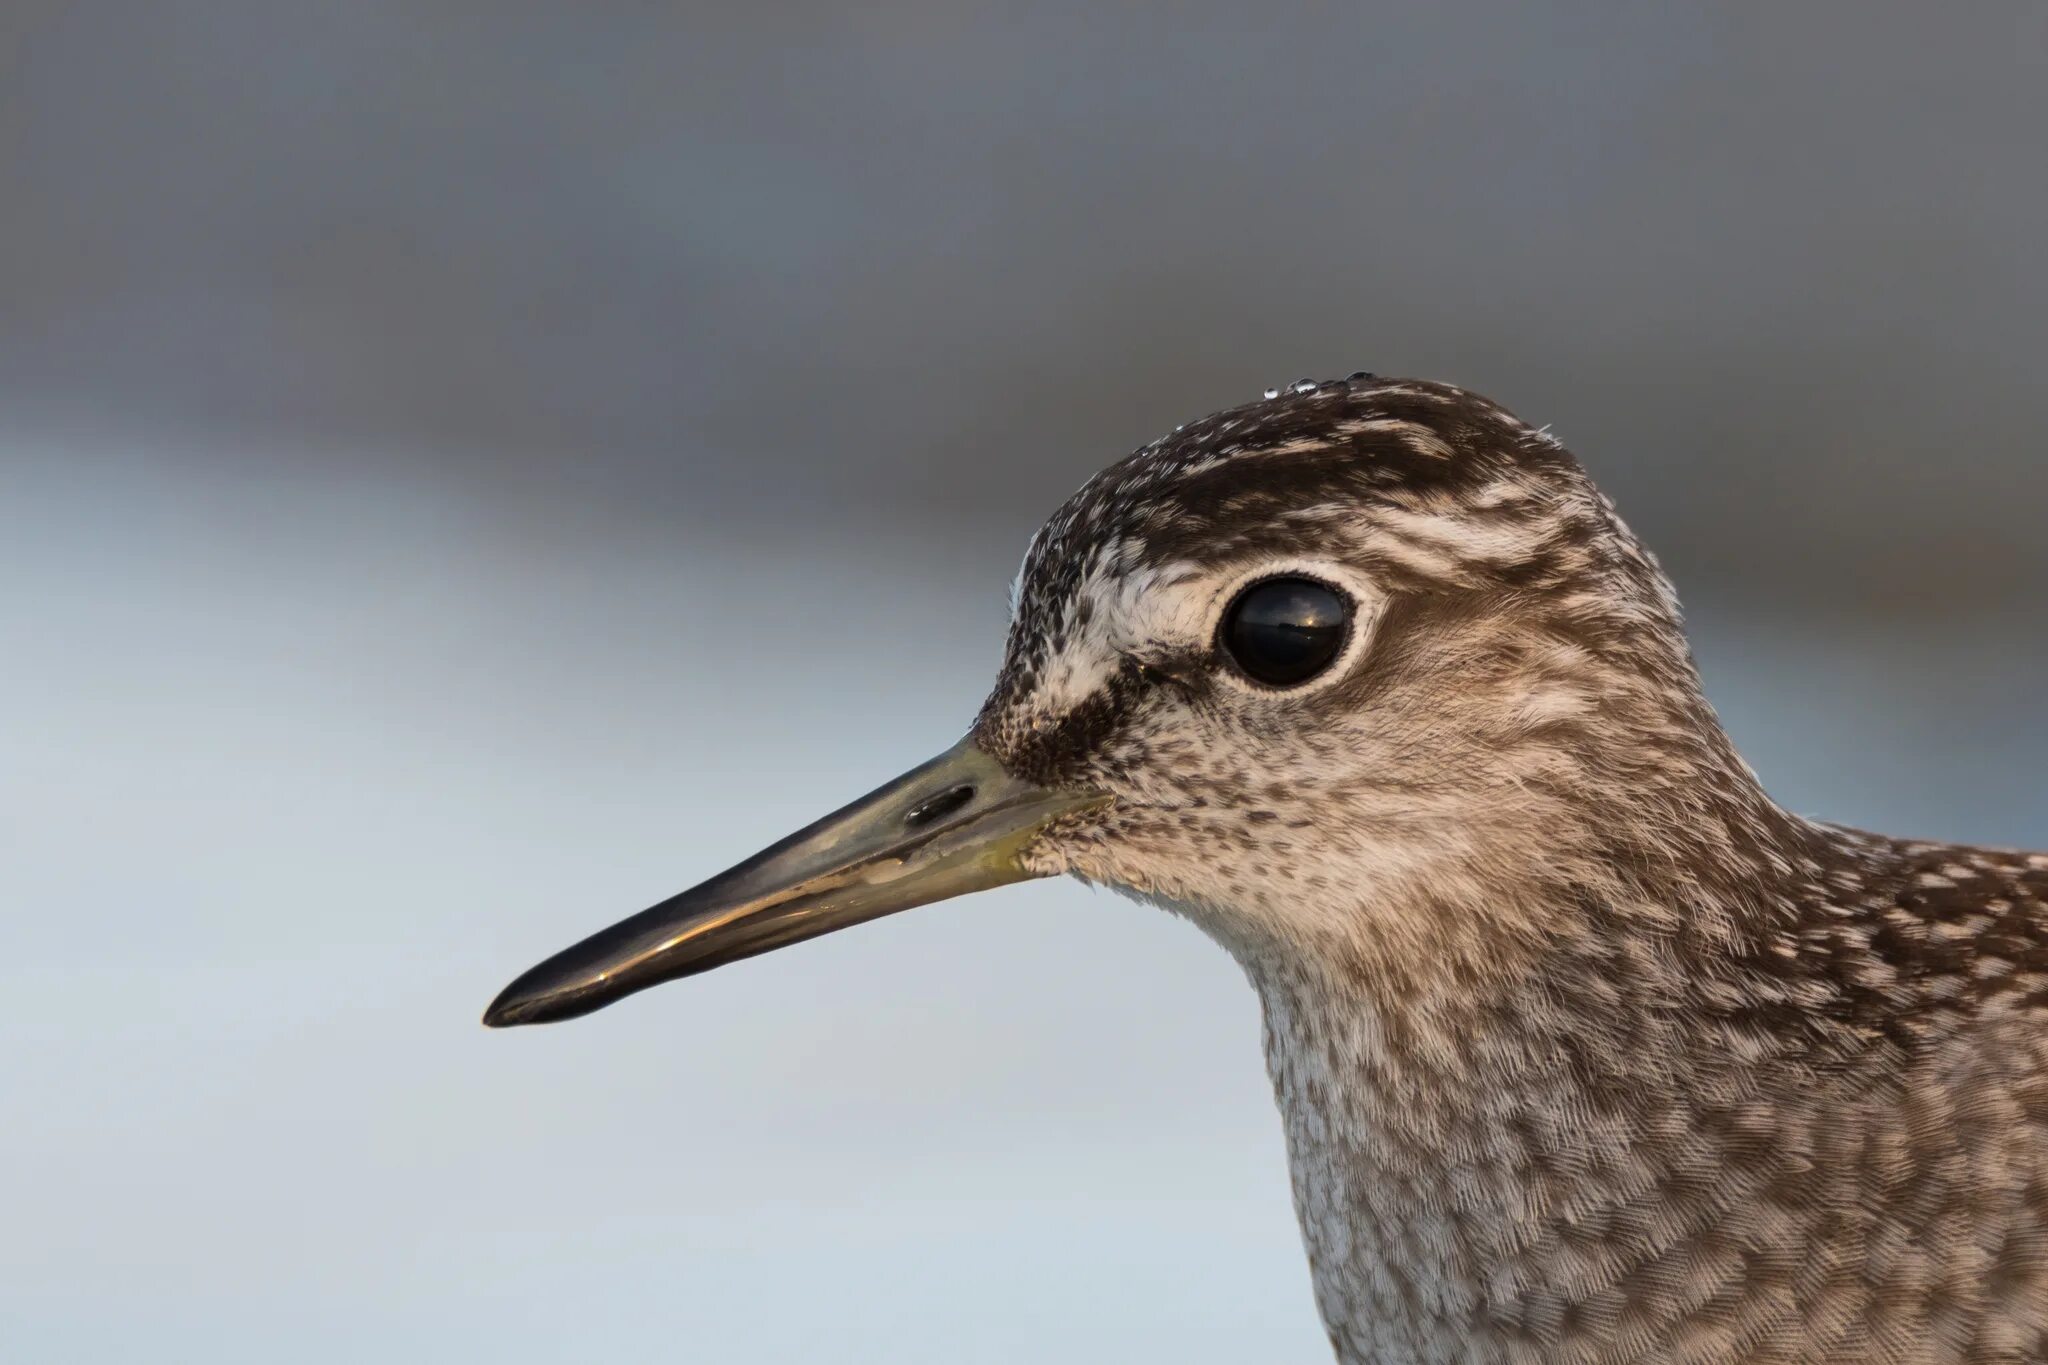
{"x": 1286, "y": 630}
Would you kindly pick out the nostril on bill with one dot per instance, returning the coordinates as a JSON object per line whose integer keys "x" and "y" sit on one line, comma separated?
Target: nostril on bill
{"x": 940, "y": 806}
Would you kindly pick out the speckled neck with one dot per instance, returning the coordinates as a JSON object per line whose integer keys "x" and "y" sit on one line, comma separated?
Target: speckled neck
{"x": 1468, "y": 1168}
{"x": 1644, "y": 1145}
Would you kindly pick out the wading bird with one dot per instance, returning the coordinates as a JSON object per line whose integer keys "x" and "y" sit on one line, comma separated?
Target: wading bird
{"x": 1585, "y": 1049}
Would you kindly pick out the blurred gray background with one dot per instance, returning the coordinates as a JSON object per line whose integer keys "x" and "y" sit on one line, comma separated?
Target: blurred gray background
{"x": 468, "y": 471}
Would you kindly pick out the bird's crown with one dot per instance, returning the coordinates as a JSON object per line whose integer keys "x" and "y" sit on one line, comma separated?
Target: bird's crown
{"x": 1408, "y": 488}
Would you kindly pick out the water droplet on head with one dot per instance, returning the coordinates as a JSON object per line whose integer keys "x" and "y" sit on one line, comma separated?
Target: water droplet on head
{"x": 1272, "y": 393}
{"x": 1304, "y": 386}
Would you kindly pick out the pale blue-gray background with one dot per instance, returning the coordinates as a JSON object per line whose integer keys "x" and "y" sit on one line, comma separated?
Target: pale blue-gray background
{"x": 467, "y": 471}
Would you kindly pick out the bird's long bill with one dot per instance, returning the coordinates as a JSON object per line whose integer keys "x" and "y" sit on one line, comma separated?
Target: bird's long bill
{"x": 957, "y": 824}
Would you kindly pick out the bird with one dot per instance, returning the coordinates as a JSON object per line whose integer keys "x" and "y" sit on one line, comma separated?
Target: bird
{"x": 1584, "y": 1048}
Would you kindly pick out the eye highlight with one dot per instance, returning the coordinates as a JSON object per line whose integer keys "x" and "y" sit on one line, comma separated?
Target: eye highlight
{"x": 1284, "y": 631}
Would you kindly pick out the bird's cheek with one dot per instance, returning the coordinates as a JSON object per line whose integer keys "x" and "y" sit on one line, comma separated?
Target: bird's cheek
{"x": 1052, "y": 857}
{"x": 1077, "y": 845}
{"x": 1133, "y": 852}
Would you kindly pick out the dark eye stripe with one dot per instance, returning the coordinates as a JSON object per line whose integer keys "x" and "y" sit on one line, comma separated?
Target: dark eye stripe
{"x": 1284, "y": 631}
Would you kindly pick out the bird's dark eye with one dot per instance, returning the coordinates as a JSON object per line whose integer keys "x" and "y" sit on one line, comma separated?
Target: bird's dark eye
{"x": 1284, "y": 631}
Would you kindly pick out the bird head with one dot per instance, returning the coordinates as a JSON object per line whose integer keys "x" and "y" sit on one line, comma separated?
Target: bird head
{"x": 1356, "y": 671}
